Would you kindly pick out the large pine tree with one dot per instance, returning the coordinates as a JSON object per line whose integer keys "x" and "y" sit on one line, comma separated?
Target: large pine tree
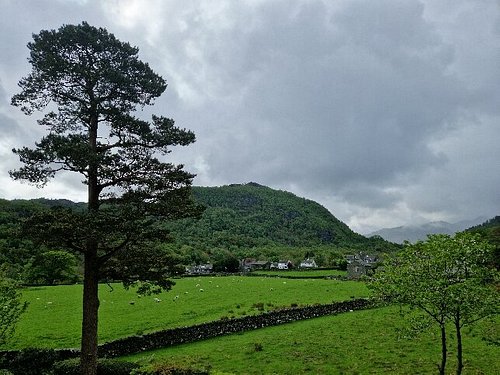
{"x": 88, "y": 85}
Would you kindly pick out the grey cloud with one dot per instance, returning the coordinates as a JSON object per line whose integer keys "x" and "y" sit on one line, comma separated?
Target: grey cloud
{"x": 365, "y": 105}
{"x": 340, "y": 114}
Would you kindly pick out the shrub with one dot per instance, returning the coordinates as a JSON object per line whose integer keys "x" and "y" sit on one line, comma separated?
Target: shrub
{"x": 259, "y": 306}
{"x": 257, "y": 347}
{"x": 169, "y": 369}
{"x": 33, "y": 361}
{"x": 104, "y": 367}
{"x": 67, "y": 367}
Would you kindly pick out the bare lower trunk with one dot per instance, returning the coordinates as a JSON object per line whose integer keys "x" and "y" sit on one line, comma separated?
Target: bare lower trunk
{"x": 443, "y": 351}
{"x": 91, "y": 272}
{"x": 460, "y": 364}
{"x": 90, "y": 314}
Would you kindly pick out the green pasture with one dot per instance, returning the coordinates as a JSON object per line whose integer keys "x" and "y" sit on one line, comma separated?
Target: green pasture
{"x": 301, "y": 273}
{"x": 361, "y": 342}
{"x": 54, "y": 314}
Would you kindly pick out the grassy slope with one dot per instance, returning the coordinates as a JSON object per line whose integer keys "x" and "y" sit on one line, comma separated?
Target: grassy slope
{"x": 363, "y": 342}
{"x": 54, "y": 314}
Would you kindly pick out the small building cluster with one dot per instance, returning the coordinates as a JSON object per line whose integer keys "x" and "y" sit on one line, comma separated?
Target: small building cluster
{"x": 249, "y": 265}
{"x": 359, "y": 265}
{"x": 201, "y": 269}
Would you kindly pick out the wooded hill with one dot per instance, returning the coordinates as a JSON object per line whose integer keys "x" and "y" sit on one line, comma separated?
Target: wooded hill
{"x": 252, "y": 215}
{"x": 240, "y": 221}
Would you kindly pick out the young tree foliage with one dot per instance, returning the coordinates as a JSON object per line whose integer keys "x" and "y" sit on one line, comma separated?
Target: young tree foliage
{"x": 11, "y": 308}
{"x": 445, "y": 280}
{"x": 88, "y": 84}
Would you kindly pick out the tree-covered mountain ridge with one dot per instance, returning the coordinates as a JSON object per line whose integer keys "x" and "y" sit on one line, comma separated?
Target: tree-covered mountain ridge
{"x": 252, "y": 215}
{"x": 245, "y": 216}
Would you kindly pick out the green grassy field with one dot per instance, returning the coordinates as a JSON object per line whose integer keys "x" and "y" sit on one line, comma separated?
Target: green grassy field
{"x": 53, "y": 317}
{"x": 362, "y": 342}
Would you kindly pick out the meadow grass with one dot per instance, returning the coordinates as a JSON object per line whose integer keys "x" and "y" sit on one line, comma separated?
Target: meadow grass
{"x": 54, "y": 314}
{"x": 360, "y": 342}
{"x": 301, "y": 273}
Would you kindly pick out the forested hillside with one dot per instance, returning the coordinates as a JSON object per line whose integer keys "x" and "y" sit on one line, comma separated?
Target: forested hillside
{"x": 252, "y": 215}
{"x": 240, "y": 221}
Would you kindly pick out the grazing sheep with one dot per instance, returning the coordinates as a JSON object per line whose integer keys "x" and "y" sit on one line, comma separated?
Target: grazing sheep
{"x": 157, "y": 300}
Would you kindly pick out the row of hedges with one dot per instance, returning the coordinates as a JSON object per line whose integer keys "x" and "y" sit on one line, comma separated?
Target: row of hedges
{"x": 170, "y": 337}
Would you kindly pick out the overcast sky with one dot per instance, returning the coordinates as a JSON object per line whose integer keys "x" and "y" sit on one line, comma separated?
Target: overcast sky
{"x": 387, "y": 112}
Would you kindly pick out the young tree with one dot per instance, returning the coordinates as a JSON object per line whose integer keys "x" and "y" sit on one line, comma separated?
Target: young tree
{"x": 445, "y": 279}
{"x": 91, "y": 83}
{"x": 11, "y": 308}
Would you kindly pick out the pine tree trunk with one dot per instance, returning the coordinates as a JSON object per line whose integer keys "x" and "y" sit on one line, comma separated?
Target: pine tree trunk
{"x": 90, "y": 313}
{"x": 91, "y": 271}
{"x": 443, "y": 351}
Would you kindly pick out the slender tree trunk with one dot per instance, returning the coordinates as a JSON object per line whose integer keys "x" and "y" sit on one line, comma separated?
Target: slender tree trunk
{"x": 90, "y": 313}
{"x": 91, "y": 263}
{"x": 443, "y": 350}
{"x": 460, "y": 364}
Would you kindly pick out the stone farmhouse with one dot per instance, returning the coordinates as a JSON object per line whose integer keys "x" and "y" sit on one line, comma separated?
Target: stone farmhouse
{"x": 359, "y": 265}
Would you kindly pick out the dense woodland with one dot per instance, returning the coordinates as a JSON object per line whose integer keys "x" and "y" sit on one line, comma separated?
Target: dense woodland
{"x": 239, "y": 221}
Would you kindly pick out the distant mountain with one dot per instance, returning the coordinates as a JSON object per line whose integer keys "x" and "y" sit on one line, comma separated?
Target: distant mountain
{"x": 251, "y": 215}
{"x": 414, "y": 233}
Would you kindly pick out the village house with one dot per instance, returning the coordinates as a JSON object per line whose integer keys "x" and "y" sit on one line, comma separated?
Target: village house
{"x": 359, "y": 265}
{"x": 282, "y": 265}
{"x": 248, "y": 265}
{"x": 308, "y": 263}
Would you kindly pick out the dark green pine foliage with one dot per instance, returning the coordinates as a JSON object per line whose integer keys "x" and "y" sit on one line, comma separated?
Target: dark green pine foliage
{"x": 252, "y": 215}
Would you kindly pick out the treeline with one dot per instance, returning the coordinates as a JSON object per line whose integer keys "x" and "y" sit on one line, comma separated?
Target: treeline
{"x": 28, "y": 262}
{"x": 240, "y": 221}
